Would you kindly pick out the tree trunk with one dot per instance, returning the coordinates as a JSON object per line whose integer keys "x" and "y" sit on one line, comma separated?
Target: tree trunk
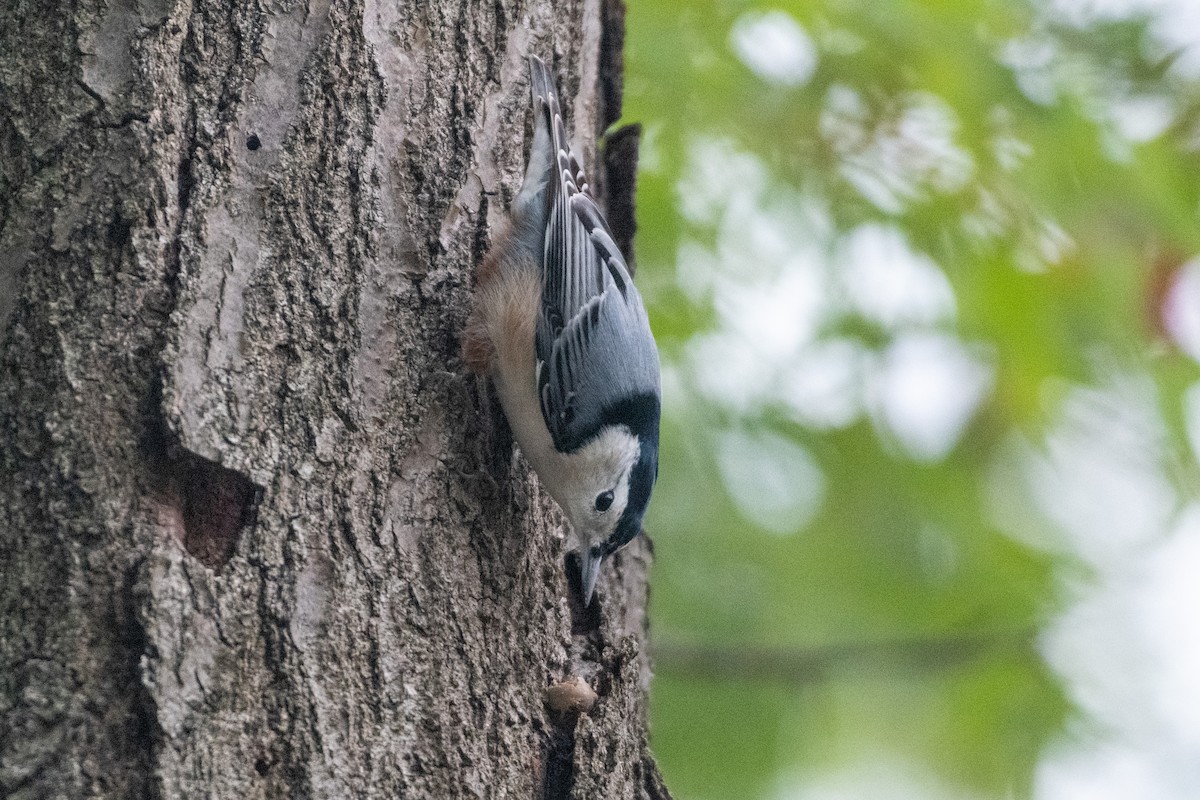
{"x": 261, "y": 536}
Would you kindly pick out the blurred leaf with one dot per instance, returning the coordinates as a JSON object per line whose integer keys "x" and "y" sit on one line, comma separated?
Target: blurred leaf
{"x": 1049, "y": 169}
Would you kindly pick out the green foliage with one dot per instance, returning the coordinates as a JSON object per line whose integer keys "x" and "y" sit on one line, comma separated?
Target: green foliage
{"x": 882, "y": 607}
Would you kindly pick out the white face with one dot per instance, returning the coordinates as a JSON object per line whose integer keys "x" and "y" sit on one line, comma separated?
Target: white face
{"x": 598, "y": 484}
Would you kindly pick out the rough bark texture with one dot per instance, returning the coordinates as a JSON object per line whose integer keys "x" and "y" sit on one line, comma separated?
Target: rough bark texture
{"x": 260, "y": 536}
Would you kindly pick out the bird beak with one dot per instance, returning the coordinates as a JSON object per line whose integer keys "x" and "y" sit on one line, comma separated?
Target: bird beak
{"x": 589, "y": 571}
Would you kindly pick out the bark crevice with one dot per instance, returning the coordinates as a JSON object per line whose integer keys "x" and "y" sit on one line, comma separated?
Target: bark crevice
{"x": 145, "y": 733}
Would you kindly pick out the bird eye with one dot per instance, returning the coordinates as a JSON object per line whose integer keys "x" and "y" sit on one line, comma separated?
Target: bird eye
{"x": 603, "y": 501}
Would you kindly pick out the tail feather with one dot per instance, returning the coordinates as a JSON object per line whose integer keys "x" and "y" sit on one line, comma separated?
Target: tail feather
{"x": 542, "y": 85}
{"x": 570, "y": 173}
{"x": 531, "y": 206}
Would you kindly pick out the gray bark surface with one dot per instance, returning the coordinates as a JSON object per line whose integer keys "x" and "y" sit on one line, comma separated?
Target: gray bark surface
{"x": 261, "y": 537}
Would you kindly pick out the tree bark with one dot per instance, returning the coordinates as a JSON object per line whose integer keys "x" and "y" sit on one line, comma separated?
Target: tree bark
{"x": 261, "y": 537}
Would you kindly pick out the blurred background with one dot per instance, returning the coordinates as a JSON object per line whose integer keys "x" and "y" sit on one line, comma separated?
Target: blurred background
{"x": 924, "y": 276}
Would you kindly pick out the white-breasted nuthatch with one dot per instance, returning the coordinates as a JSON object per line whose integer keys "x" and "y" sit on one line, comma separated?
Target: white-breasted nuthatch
{"x": 559, "y": 326}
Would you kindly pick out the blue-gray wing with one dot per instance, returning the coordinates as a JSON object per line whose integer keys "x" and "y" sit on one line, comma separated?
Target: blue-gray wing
{"x": 595, "y": 352}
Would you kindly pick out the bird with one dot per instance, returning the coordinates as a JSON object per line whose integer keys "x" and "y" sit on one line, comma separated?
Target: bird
{"x": 560, "y": 328}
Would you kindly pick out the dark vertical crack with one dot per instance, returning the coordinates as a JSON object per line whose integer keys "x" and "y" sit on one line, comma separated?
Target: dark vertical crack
{"x": 616, "y": 174}
{"x": 144, "y": 732}
{"x": 184, "y": 184}
{"x": 619, "y": 164}
{"x": 559, "y": 747}
{"x": 612, "y": 63}
{"x": 559, "y": 760}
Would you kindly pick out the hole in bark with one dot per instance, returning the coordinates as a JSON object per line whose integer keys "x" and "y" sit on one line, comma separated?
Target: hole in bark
{"x": 210, "y": 505}
{"x": 253, "y": 142}
{"x": 261, "y": 766}
{"x": 217, "y": 505}
{"x": 118, "y": 231}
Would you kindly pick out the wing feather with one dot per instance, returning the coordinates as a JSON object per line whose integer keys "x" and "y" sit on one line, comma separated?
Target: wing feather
{"x": 593, "y": 341}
